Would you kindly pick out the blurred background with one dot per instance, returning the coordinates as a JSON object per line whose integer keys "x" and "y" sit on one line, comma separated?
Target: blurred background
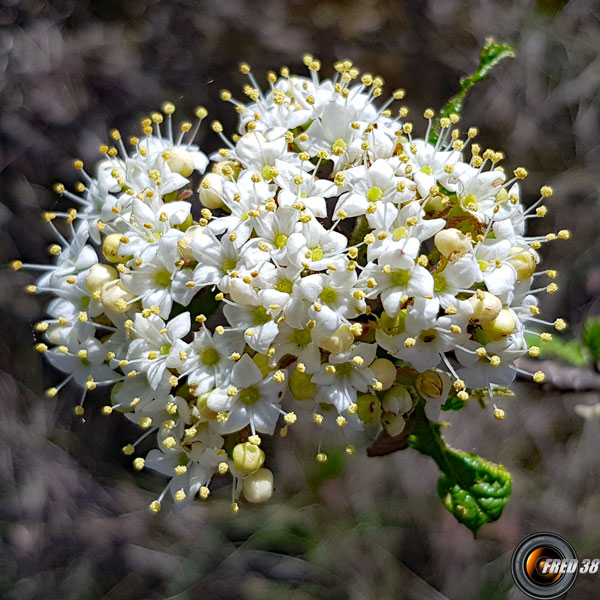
{"x": 74, "y": 522}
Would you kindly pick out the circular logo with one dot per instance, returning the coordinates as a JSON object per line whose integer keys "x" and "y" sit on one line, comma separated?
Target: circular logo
{"x": 544, "y": 566}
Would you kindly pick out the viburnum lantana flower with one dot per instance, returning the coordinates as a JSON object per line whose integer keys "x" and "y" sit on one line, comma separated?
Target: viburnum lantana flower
{"x": 340, "y": 258}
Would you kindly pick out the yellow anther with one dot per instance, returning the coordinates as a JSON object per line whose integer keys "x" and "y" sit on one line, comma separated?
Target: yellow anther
{"x": 499, "y": 414}
{"x": 290, "y": 418}
{"x": 539, "y": 376}
{"x": 560, "y": 324}
{"x": 169, "y": 442}
{"x": 459, "y": 384}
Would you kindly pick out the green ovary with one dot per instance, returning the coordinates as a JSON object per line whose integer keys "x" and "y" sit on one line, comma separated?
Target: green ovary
{"x": 375, "y": 193}
{"x": 165, "y": 348}
{"x": 426, "y": 169}
{"x": 428, "y": 336}
{"x": 163, "y": 278}
{"x": 393, "y": 325}
{"x": 210, "y": 357}
{"x": 338, "y": 146}
{"x": 280, "y": 241}
{"x": 249, "y": 396}
{"x": 316, "y": 253}
{"x": 260, "y": 316}
{"x": 470, "y": 202}
{"x": 328, "y": 294}
{"x": 400, "y": 233}
{"x": 301, "y": 337}
{"x": 343, "y": 370}
{"x": 439, "y": 284}
{"x": 268, "y": 172}
{"x": 229, "y": 264}
{"x": 284, "y": 286}
{"x": 401, "y": 277}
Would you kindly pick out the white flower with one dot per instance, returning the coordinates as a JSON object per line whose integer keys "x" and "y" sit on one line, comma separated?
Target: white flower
{"x": 158, "y": 344}
{"x": 350, "y": 374}
{"x": 153, "y": 281}
{"x": 255, "y": 402}
{"x": 209, "y": 358}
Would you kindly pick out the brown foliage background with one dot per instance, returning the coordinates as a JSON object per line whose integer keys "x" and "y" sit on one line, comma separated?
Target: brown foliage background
{"x": 73, "y": 517}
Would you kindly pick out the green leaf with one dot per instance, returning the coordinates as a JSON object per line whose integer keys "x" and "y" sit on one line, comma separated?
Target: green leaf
{"x": 591, "y": 337}
{"x": 491, "y": 55}
{"x": 453, "y": 403}
{"x": 473, "y": 489}
{"x": 570, "y": 350}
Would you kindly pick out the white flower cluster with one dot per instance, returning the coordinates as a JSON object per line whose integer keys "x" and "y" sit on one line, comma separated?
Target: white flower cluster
{"x": 340, "y": 247}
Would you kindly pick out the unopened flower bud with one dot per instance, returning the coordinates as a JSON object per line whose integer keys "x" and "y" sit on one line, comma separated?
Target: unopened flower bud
{"x": 227, "y": 168}
{"x": 258, "y": 486}
{"x": 248, "y": 457}
{"x": 368, "y": 408}
{"x": 203, "y": 409}
{"x": 431, "y": 384}
{"x": 384, "y": 371}
{"x": 452, "y": 243}
{"x": 397, "y": 400}
{"x": 502, "y": 326}
{"x": 98, "y": 275}
{"x": 340, "y": 341}
{"x": 301, "y": 386}
{"x": 523, "y": 261}
{"x": 486, "y": 307}
{"x": 211, "y": 190}
{"x": 114, "y": 297}
{"x": 180, "y": 161}
{"x": 110, "y": 248}
{"x": 393, "y": 424}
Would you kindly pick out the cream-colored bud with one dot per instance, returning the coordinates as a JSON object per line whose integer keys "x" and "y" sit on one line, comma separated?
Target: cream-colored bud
{"x": 523, "y": 261}
{"x": 234, "y": 166}
{"x": 253, "y": 139}
{"x": 486, "y": 307}
{"x": 110, "y": 248}
{"x": 393, "y": 424}
{"x": 114, "y": 297}
{"x": 54, "y": 334}
{"x": 180, "y": 161}
{"x": 211, "y": 190}
{"x": 99, "y": 275}
{"x": 340, "y": 341}
{"x": 191, "y": 233}
{"x": 397, "y": 400}
{"x": 384, "y": 371}
{"x": 452, "y": 243}
{"x": 502, "y": 326}
{"x": 248, "y": 457}
{"x": 258, "y": 486}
